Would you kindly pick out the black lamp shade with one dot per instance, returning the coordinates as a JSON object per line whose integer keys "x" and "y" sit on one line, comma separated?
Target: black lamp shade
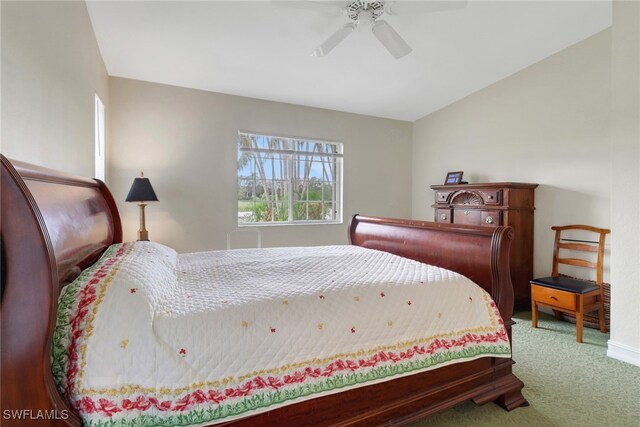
{"x": 141, "y": 191}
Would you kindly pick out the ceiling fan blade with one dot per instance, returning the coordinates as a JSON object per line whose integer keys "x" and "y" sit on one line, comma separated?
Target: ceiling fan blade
{"x": 334, "y": 40}
{"x": 330, "y": 7}
{"x": 412, "y": 7}
{"x": 390, "y": 39}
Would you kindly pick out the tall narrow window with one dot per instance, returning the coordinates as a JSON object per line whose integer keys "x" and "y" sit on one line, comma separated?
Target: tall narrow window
{"x": 288, "y": 180}
{"x": 100, "y": 139}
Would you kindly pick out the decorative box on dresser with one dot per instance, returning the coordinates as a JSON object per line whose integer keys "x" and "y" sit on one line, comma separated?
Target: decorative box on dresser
{"x": 491, "y": 205}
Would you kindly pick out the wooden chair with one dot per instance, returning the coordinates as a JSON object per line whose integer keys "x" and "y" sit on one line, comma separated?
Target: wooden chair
{"x": 567, "y": 294}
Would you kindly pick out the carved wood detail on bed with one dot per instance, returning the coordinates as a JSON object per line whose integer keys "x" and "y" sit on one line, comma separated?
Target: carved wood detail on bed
{"x": 55, "y": 224}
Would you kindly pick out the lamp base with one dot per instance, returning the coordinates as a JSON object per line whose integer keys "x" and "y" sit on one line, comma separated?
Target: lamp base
{"x": 143, "y": 234}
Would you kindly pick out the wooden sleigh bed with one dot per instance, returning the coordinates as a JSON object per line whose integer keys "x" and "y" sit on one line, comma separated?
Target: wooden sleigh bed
{"x": 54, "y": 225}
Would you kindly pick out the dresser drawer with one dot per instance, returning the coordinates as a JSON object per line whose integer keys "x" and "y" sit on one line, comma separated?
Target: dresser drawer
{"x": 467, "y": 216}
{"x": 491, "y": 218}
{"x": 554, "y": 297}
{"x": 443, "y": 215}
{"x": 442, "y": 196}
{"x": 491, "y": 197}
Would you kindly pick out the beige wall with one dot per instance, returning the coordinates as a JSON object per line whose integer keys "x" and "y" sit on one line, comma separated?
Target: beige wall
{"x": 548, "y": 124}
{"x": 625, "y": 194}
{"x": 51, "y": 69}
{"x": 185, "y": 142}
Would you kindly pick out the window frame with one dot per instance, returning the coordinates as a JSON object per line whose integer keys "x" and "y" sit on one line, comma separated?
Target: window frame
{"x": 296, "y": 155}
{"x": 100, "y": 154}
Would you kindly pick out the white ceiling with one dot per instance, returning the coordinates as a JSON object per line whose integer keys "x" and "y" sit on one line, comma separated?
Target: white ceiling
{"x": 262, "y": 50}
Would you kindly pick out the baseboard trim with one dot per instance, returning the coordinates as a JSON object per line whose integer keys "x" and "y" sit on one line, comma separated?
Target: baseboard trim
{"x": 623, "y": 352}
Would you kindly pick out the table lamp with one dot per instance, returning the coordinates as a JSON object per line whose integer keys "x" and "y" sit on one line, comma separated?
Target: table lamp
{"x": 141, "y": 191}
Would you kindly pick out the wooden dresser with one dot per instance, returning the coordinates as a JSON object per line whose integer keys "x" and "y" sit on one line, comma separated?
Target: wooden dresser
{"x": 491, "y": 205}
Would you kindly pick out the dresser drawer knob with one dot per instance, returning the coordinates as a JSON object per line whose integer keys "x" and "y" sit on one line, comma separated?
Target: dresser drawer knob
{"x": 443, "y": 217}
{"x": 489, "y": 220}
{"x": 490, "y": 197}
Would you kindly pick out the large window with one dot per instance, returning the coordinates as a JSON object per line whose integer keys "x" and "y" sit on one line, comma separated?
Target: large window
{"x": 288, "y": 180}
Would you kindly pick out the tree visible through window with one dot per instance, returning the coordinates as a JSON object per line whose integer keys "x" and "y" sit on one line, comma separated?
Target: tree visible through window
{"x": 288, "y": 180}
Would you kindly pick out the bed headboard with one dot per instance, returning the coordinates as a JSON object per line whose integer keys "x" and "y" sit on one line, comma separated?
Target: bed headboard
{"x": 61, "y": 224}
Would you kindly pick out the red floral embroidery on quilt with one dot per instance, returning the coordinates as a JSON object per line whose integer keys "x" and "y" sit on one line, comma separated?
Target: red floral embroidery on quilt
{"x": 77, "y": 323}
{"x": 143, "y": 403}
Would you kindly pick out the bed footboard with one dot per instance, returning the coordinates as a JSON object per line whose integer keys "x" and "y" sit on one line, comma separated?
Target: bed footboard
{"x": 479, "y": 253}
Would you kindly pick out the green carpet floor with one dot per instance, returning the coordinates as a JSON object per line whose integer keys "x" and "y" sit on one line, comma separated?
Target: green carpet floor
{"x": 566, "y": 383}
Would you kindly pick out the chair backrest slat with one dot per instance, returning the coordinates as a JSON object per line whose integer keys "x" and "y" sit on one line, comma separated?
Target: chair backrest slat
{"x": 581, "y": 227}
{"x": 582, "y": 247}
{"x": 578, "y": 247}
{"x": 577, "y": 262}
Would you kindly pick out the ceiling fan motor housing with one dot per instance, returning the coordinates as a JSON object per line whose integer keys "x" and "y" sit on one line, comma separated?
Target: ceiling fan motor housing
{"x": 365, "y": 14}
{"x": 376, "y": 8}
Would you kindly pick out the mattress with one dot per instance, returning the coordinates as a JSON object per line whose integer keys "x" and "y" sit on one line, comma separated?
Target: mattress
{"x": 150, "y": 337}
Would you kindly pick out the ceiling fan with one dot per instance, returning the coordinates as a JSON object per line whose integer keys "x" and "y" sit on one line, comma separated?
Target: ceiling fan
{"x": 365, "y": 14}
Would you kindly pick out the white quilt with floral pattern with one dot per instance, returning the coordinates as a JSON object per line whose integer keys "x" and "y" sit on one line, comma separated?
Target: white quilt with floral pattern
{"x": 150, "y": 337}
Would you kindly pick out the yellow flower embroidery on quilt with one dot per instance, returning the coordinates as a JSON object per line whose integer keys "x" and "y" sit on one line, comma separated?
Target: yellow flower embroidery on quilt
{"x": 485, "y": 297}
{"x": 320, "y": 325}
{"x": 285, "y": 302}
{"x": 390, "y": 323}
{"x": 89, "y": 328}
{"x": 245, "y": 324}
{"x": 124, "y": 343}
{"x": 356, "y": 299}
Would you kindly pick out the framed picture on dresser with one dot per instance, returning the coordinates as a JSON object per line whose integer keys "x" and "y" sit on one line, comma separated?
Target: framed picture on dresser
{"x": 453, "y": 178}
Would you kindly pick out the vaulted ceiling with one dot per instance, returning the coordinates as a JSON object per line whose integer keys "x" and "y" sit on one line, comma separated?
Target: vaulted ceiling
{"x": 261, "y": 49}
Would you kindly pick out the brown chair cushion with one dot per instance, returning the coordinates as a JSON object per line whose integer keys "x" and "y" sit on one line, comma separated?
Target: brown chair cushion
{"x": 567, "y": 284}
